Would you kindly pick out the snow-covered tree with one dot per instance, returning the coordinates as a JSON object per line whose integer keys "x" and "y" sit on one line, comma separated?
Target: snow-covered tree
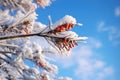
{"x": 19, "y": 32}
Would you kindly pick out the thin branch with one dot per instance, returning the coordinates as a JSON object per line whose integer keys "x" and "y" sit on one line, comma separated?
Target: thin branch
{"x": 20, "y": 20}
{"x": 53, "y": 45}
{"x": 7, "y": 52}
{"x": 8, "y": 45}
{"x": 27, "y": 35}
{"x": 17, "y": 36}
{"x": 6, "y": 55}
{"x": 11, "y": 65}
{"x": 44, "y": 30}
{"x": 5, "y": 60}
{"x": 50, "y": 22}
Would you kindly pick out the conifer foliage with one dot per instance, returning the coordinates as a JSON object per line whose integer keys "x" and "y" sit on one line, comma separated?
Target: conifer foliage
{"x": 19, "y": 31}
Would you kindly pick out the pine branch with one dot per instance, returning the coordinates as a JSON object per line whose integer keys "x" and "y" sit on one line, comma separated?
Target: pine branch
{"x": 6, "y": 55}
{"x": 8, "y": 45}
{"x": 7, "y": 52}
{"x": 17, "y": 36}
{"x": 27, "y": 35}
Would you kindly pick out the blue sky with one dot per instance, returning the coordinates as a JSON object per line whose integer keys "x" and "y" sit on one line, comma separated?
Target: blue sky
{"x": 98, "y": 59}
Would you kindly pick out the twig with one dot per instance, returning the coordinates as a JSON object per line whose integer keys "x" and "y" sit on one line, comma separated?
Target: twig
{"x": 6, "y": 55}
{"x": 5, "y": 60}
{"x": 53, "y": 45}
{"x": 27, "y": 35}
{"x": 50, "y": 22}
{"x": 17, "y": 36}
{"x": 20, "y": 20}
{"x": 8, "y": 45}
{"x": 6, "y": 52}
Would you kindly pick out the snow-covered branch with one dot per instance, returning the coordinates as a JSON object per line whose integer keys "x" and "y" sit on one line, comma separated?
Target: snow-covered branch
{"x": 19, "y": 32}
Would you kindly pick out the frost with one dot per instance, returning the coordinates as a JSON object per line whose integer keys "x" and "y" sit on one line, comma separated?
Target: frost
{"x": 67, "y": 78}
{"x": 20, "y": 41}
{"x": 44, "y": 3}
{"x": 66, "y": 19}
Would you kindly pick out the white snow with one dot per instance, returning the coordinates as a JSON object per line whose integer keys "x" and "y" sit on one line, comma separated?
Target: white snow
{"x": 66, "y": 19}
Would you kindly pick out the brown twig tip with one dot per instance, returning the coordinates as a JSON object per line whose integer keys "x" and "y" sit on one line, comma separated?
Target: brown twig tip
{"x": 62, "y": 28}
{"x": 66, "y": 43}
{"x": 43, "y": 3}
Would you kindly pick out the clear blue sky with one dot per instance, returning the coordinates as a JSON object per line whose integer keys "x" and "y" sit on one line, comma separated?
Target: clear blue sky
{"x": 99, "y": 58}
